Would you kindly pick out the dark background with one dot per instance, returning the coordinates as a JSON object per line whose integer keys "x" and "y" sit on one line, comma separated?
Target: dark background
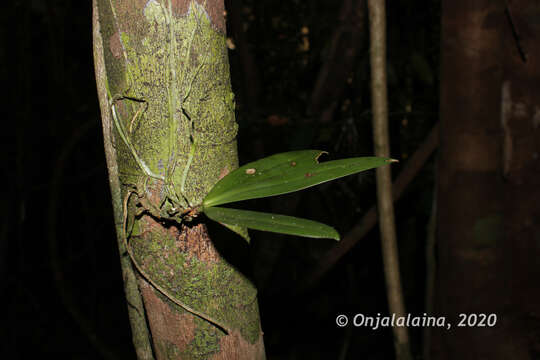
{"x": 59, "y": 258}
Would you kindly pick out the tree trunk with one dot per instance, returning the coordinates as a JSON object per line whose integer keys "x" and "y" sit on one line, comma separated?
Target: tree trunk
{"x": 520, "y": 122}
{"x": 174, "y": 131}
{"x": 470, "y": 207}
{"x": 488, "y": 179}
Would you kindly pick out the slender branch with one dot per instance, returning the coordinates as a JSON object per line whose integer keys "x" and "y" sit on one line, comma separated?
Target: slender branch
{"x": 377, "y": 24}
{"x": 137, "y": 318}
{"x": 515, "y": 33}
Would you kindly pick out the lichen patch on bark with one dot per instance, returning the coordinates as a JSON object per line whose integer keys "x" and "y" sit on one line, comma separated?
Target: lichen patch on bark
{"x": 188, "y": 266}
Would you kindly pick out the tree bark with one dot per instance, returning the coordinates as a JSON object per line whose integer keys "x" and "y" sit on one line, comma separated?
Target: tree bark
{"x": 168, "y": 85}
{"x": 140, "y": 334}
{"x": 470, "y": 207}
{"x": 520, "y": 124}
{"x": 487, "y": 176}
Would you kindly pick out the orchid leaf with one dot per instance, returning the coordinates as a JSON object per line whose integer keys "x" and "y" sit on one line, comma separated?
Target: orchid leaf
{"x": 271, "y": 222}
{"x": 240, "y": 230}
{"x": 284, "y": 173}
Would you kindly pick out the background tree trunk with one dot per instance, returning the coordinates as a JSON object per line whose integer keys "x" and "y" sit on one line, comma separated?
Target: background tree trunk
{"x": 168, "y": 78}
{"x": 470, "y": 205}
{"x": 520, "y": 123}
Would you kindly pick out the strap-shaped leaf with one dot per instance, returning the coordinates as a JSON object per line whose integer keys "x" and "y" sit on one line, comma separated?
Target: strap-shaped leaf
{"x": 240, "y": 230}
{"x": 283, "y": 173}
{"x": 271, "y": 222}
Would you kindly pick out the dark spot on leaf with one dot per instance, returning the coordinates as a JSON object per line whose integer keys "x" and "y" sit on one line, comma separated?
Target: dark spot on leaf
{"x": 309, "y": 175}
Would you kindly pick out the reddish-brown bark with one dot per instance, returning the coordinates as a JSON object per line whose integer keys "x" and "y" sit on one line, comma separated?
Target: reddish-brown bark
{"x": 469, "y": 182}
{"x": 487, "y": 188}
{"x": 520, "y": 122}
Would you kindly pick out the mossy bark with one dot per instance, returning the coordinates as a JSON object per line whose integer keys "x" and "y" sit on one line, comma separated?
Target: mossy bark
{"x": 168, "y": 80}
{"x": 139, "y": 329}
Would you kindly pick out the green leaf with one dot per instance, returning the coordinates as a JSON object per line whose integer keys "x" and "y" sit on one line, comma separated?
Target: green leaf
{"x": 271, "y": 222}
{"x": 283, "y": 173}
{"x": 240, "y": 230}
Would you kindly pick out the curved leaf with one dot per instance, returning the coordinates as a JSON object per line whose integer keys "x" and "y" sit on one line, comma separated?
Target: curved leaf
{"x": 283, "y": 173}
{"x": 271, "y": 222}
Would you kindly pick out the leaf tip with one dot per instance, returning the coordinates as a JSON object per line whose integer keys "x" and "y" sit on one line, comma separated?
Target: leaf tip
{"x": 392, "y": 160}
{"x": 334, "y": 235}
